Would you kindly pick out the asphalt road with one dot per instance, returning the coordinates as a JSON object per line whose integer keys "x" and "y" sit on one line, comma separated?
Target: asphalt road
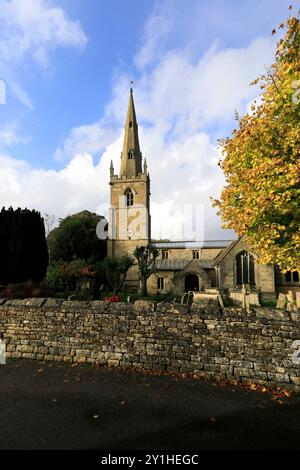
{"x": 50, "y": 406}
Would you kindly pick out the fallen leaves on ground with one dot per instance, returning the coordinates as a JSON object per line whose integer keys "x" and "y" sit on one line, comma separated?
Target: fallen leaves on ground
{"x": 276, "y": 392}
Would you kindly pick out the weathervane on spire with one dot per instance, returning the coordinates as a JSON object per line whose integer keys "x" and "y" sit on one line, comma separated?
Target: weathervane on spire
{"x": 131, "y": 85}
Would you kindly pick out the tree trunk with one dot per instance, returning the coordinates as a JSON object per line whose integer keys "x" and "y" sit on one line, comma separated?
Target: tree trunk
{"x": 144, "y": 287}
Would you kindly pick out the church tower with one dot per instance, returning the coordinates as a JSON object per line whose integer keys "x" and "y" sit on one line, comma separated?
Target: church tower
{"x": 129, "y": 217}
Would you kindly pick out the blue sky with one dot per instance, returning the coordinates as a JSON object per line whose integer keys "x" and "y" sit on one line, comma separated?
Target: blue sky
{"x": 67, "y": 66}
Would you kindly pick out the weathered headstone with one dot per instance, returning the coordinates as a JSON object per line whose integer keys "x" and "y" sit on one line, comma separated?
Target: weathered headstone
{"x": 244, "y": 292}
{"x": 290, "y": 297}
{"x": 247, "y": 303}
{"x": 254, "y": 299}
{"x": 281, "y": 301}
{"x": 291, "y": 304}
{"x": 297, "y": 299}
{"x": 291, "y": 307}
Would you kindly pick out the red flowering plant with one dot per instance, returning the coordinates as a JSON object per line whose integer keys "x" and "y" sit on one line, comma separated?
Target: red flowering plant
{"x": 113, "y": 298}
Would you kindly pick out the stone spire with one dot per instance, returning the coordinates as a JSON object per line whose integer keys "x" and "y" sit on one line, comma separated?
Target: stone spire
{"x": 131, "y": 157}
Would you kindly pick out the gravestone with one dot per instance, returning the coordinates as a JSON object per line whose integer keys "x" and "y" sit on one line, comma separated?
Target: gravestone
{"x": 291, "y": 304}
{"x": 244, "y": 292}
{"x": 281, "y": 301}
{"x": 247, "y": 303}
{"x": 221, "y": 302}
{"x": 254, "y": 299}
{"x": 291, "y": 307}
{"x": 297, "y": 299}
{"x": 290, "y": 297}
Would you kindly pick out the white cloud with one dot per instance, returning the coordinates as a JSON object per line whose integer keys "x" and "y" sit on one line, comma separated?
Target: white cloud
{"x": 19, "y": 91}
{"x": 183, "y": 96}
{"x": 76, "y": 187}
{"x": 33, "y": 29}
{"x": 156, "y": 28}
{"x": 184, "y": 174}
{"x": 202, "y": 92}
{"x": 10, "y": 134}
{"x": 92, "y": 138}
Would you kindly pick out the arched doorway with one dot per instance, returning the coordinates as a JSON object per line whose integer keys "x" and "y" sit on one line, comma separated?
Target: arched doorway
{"x": 191, "y": 282}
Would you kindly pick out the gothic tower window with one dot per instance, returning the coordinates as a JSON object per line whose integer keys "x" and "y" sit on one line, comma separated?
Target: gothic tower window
{"x": 130, "y": 155}
{"x": 245, "y": 269}
{"x": 164, "y": 254}
{"x": 129, "y": 198}
{"x": 130, "y": 124}
{"x": 195, "y": 254}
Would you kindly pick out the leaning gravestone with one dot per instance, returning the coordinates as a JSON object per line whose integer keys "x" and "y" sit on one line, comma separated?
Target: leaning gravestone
{"x": 281, "y": 301}
{"x": 291, "y": 304}
{"x": 220, "y": 299}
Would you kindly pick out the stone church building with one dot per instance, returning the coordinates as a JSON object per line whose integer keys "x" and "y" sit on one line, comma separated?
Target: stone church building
{"x": 181, "y": 266}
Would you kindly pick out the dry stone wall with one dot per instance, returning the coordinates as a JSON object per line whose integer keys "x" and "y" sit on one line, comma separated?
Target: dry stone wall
{"x": 261, "y": 346}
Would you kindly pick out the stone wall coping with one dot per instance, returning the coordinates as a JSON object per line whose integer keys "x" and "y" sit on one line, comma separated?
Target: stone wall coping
{"x": 148, "y": 306}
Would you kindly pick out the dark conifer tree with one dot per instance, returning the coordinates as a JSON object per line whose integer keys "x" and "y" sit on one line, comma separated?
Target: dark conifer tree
{"x": 23, "y": 247}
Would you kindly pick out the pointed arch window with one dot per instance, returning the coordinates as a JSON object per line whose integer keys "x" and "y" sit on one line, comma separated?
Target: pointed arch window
{"x": 130, "y": 124}
{"x": 245, "y": 269}
{"x": 292, "y": 277}
{"x": 130, "y": 155}
{"x": 129, "y": 198}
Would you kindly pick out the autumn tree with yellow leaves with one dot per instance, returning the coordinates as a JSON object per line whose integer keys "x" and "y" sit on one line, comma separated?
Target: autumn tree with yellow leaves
{"x": 261, "y": 161}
